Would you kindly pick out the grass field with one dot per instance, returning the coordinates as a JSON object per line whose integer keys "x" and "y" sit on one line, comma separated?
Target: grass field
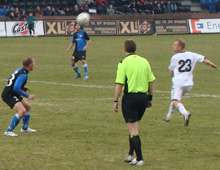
{"x": 77, "y": 127}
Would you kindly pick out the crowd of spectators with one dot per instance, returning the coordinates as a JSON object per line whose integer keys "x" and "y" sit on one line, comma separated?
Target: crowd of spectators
{"x": 102, "y": 7}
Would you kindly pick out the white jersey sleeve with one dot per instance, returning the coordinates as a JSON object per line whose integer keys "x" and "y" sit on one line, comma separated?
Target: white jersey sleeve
{"x": 173, "y": 63}
{"x": 199, "y": 58}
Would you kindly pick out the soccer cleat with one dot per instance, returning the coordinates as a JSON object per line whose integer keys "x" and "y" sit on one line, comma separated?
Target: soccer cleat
{"x": 128, "y": 158}
{"x": 137, "y": 163}
{"x": 28, "y": 130}
{"x": 78, "y": 76}
{"x": 166, "y": 119}
{"x": 186, "y": 119}
{"x": 10, "y": 133}
{"x": 86, "y": 78}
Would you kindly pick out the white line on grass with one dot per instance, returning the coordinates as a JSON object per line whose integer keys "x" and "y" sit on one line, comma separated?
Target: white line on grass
{"x": 111, "y": 87}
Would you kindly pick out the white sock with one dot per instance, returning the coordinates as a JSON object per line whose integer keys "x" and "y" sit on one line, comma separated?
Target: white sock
{"x": 182, "y": 109}
{"x": 171, "y": 110}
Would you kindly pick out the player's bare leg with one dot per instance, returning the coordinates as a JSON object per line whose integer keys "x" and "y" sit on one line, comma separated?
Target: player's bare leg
{"x": 16, "y": 119}
{"x": 26, "y": 117}
{"x": 76, "y": 69}
{"x": 85, "y": 67}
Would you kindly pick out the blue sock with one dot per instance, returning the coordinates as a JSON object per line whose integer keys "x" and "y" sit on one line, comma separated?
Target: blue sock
{"x": 85, "y": 67}
{"x": 14, "y": 122}
{"x": 26, "y": 119}
{"x": 76, "y": 69}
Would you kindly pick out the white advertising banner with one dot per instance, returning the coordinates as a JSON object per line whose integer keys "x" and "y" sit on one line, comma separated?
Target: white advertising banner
{"x": 204, "y": 26}
{"x": 20, "y": 28}
{"x": 2, "y": 29}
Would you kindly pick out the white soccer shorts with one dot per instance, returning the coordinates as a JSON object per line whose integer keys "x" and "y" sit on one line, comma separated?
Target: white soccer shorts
{"x": 178, "y": 91}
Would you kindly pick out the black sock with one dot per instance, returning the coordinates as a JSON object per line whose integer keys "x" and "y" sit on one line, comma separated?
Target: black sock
{"x": 136, "y": 141}
{"x": 131, "y": 149}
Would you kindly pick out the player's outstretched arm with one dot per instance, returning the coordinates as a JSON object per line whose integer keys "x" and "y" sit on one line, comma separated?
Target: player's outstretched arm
{"x": 207, "y": 62}
{"x": 70, "y": 46}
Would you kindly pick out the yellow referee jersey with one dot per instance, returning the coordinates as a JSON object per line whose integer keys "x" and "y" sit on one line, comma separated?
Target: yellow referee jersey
{"x": 134, "y": 72}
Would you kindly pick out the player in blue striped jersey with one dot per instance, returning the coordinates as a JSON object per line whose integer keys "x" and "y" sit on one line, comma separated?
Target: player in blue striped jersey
{"x": 11, "y": 95}
{"x": 81, "y": 40}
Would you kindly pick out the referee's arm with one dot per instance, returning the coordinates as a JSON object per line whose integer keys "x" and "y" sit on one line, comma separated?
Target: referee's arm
{"x": 118, "y": 90}
{"x": 150, "y": 93}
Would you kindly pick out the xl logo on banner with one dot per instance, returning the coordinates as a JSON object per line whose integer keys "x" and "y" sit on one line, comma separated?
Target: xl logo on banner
{"x": 55, "y": 27}
{"x": 129, "y": 27}
{"x": 135, "y": 27}
{"x": 20, "y": 28}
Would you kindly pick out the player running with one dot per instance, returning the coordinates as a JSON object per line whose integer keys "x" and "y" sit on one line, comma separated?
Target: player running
{"x": 181, "y": 67}
{"x": 11, "y": 95}
{"x": 81, "y": 40}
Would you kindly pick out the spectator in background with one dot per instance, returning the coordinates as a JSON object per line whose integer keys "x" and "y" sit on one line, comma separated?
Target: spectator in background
{"x": 102, "y": 3}
{"x": 110, "y": 10}
{"x": 158, "y": 9}
{"x": 174, "y": 7}
{"x": 170, "y": 7}
{"x": 146, "y": 7}
{"x": 68, "y": 11}
{"x": 61, "y": 11}
{"x": 17, "y": 13}
{"x": 139, "y": 7}
{"x": 155, "y": 4}
{"x": 23, "y": 16}
{"x": 132, "y": 7}
{"x": 76, "y": 10}
{"x": 82, "y": 9}
{"x": 163, "y": 6}
{"x": 38, "y": 12}
{"x": 90, "y": 3}
{"x": 151, "y": 7}
{"x": 53, "y": 12}
{"x": 10, "y": 12}
{"x": 12, "y": 16}
{"x": 47, "y": 11}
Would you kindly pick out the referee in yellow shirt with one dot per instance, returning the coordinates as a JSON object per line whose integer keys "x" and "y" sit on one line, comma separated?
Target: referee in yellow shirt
{"x": 135, "y": 75}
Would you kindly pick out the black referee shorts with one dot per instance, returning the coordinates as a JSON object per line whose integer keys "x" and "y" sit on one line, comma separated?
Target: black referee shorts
{"x": 134, "y": 106}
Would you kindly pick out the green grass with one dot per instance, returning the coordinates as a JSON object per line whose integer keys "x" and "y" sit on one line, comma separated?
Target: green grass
{"x": 77, "y": 127}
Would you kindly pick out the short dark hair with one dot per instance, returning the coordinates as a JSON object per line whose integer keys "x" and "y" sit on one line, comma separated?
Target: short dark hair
{"x": 27, "y": 61}
{"x": 130, "y": 46}
{"x": 181, "y": 43}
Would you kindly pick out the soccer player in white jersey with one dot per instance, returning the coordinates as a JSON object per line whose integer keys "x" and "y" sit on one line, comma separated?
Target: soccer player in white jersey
{"x": 181, "y": 68}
